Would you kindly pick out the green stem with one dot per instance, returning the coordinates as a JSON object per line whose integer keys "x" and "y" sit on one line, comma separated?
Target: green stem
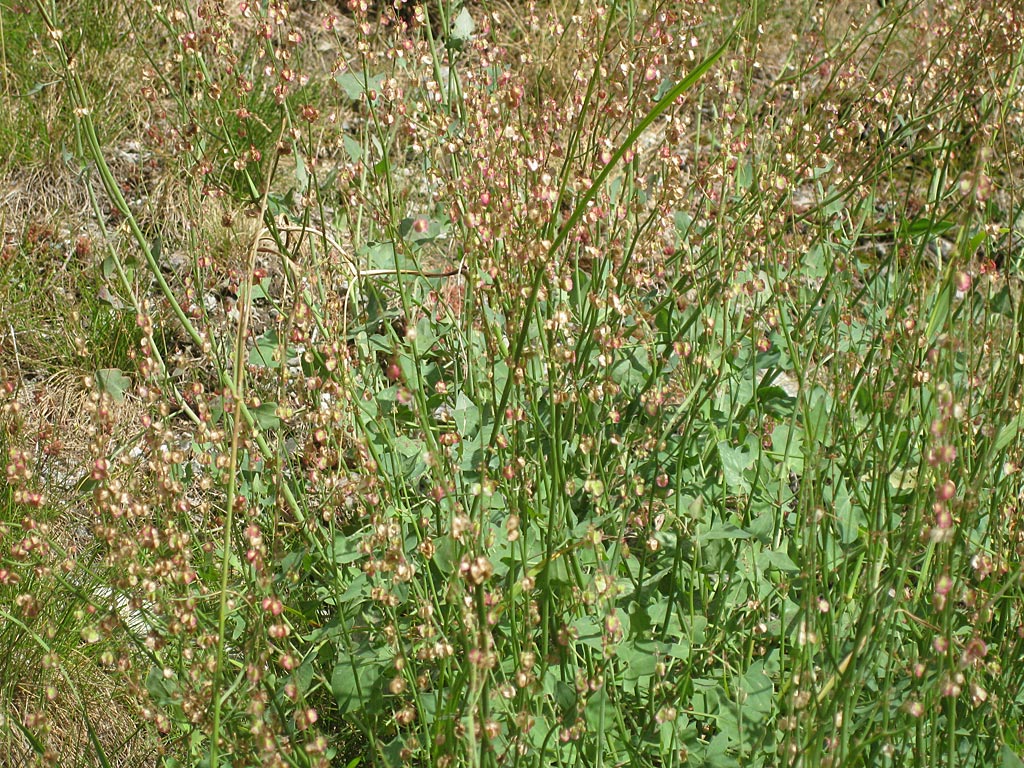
{"x": 238, "y": 381}
{"x": 82, "y": 111}
{"x": 657, "y": 111}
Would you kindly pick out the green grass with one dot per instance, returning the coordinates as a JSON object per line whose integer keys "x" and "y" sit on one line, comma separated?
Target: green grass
{"x": 34, "y": 125}
{"x": 52, "y": 304}
{"x": 653, "y": 400}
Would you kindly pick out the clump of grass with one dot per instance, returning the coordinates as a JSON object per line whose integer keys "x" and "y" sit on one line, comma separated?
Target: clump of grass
{"x": 665, "y": 413}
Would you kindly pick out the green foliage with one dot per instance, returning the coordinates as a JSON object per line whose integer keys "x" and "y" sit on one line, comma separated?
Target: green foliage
{"x": 582, "y": 423}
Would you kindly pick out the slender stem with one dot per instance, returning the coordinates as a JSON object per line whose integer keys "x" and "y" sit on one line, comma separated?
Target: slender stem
{"x": 83, "y": 114}
{"x": 238, "y": 379}
{"x": 581, "y": 206}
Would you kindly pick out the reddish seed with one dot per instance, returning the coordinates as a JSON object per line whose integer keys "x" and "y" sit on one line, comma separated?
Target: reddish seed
{"x": 945, "y": 491}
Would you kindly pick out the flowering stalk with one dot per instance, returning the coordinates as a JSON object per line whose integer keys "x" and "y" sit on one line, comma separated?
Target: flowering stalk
{"x": 83, "y": 115}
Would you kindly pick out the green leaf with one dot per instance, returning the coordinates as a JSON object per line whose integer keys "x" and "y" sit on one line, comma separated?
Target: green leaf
{"x": 462, "y": 28}
{"x": 722, "y": 531}
{"x": 261, "y": 290}
{"x": 357, "y": 84}
{"x": 682, "y": 221}
{"x": 787, "y": 447}
{"x": 735, "y": 461}
{"x": 632, "y": 369}
{"x": 409, "y": 447}
{"x": 924, "y": 226}
{"x": 1009, "y": 433}
{"x": 109, "y": 269}
{"x": 744, "y": 175}
{"x": 849, "y": 516}
{"x": 599, "y": 709}
{"x": 301, "y": 174}
{"x": 589, "y": 631}
{"x": 421, "y": 230}
{"x": 113, "y": 382}
{"x": 1002, "y": 303}
{"x": 941, "y": 306}
{"x": 758, "y": 693}
{"x": 357, "y": 590}
{"x": 975, "y": 242}
{"x": 563, "y": 694}
{"x": 352, "y": 681}
{"x": 777, "y": 559}
{"x": 303, "y": 676}
{"x": 818, "y": 422}
{"x": 353, "y": 148}
{"x": 266, "y": 416}
{"x": 37, "y": 745}
{"x": 640, "y": 658}
{"x": 426, "y": 334}
{"x": 903, "y": 480}
{"x": 466, "y": 416}
{"x": 163, "y": 690}
{"x": 279, "y": 205}
{"x": 382, "y": 255}
{"x": 1009, "y": 759}
{"x": 264, "y": 351}
{"x": 817, "y": 261}
{"x": 346, "y": 550}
